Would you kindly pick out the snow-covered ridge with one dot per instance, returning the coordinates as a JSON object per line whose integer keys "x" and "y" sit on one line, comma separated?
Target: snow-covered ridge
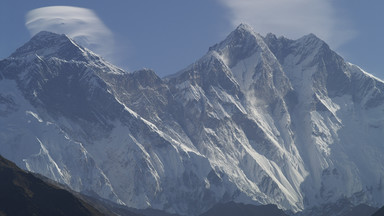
{"x": 356, "y": 69}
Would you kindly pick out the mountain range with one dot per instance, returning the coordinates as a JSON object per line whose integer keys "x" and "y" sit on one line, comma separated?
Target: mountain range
{"x": 257, "y": 120}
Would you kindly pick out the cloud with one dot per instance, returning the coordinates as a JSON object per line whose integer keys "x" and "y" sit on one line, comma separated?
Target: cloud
{"x": 292, "y": 18}
{"x": 81, "y": 24}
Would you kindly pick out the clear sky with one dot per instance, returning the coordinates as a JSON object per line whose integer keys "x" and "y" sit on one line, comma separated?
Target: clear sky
{"x": 168, "y": 35}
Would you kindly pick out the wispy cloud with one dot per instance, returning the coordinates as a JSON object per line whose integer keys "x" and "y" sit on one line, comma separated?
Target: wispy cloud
{"x": 292, "y": 18}
{"x": 81, "y": 24}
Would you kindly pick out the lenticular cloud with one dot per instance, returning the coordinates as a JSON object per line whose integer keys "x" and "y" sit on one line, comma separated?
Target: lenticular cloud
{"x": 81, "y": 24}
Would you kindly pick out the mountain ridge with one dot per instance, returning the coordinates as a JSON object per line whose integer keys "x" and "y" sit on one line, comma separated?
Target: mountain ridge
{"x": 259, "y": 120}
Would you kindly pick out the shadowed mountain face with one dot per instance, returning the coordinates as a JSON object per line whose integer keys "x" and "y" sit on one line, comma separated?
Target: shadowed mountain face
{"x": 257, "y": 120}
{"x": 22, "y": 193}
{"x": 361, "y": 210}
{"x": 380, "y": 212}
{"x": 342, "y": 207}
{"x": 231, "y": 208}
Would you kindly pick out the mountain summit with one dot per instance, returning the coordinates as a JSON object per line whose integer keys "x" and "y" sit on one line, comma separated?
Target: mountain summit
{"x": 257, "y": 120}
{"x": 48, "y": 44}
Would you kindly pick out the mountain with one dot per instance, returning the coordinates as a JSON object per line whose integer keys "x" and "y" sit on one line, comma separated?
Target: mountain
{"x": 257, "y": 120}
{"x": 24, "y": 194}
{"x": 380, "y": 212}
{"x": 231, "y": 208}
{"x": 343, "y": 207}
{"x": 361, "y": 210}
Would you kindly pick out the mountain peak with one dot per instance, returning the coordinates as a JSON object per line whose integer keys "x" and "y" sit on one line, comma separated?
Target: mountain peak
{"x": 244, "y": 31}
{"x": 311, "y": 39}
{"x": 271, "y": 36}
{"x": 311, "y": 36}
{"x": 48, "y": 34}
{"x": 146, "y": 77}
{"x": 244, "y": 27}
{"x": 49, "y": 44}
{"x": 239, "y": 44}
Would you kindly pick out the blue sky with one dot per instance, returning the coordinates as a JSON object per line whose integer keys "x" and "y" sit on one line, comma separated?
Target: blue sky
{"x": 168, "y": 35}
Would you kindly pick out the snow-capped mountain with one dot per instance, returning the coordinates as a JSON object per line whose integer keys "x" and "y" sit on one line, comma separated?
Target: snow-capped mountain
{"x": 256, "y": 120}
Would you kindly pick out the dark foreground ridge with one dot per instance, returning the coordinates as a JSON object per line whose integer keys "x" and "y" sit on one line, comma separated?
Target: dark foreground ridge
{"x": 380, "y": 212}
{"x": 22, "y": 193}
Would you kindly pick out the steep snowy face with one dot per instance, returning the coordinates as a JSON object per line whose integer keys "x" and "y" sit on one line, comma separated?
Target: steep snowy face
{"x": 253, "y": 65}
{"x": 235, "y": 114}
{"x": 256, "y": 120}
{"x": 44, "y": 97}
{"x": 340, "y": 113}
{"x": 64, "y": 87}
{"x": 293, "y": 112}
{"x": 100, "y": 130}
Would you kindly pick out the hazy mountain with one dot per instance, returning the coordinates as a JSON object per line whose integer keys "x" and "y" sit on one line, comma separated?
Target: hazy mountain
{"x": 257, "y": 120}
